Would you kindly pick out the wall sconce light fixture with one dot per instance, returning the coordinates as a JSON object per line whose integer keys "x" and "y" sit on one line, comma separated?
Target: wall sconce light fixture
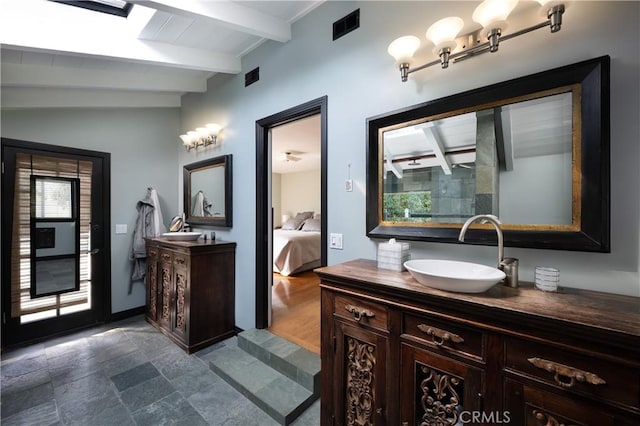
{"x": 202, "y": 136}
{"x": 491, "y": 14}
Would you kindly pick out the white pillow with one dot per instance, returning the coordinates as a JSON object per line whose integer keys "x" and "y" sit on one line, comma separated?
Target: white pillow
{"x": 304, "y": 215}
{"x": 292, "y": 224}
{"x": 311, "y": 225}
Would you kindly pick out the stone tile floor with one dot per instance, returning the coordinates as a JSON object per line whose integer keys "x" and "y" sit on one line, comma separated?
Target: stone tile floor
{"x": 123, "y": 373}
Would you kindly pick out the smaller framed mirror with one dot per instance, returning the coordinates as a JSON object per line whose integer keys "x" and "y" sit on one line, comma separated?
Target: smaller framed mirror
{"x": 207, "y": 192}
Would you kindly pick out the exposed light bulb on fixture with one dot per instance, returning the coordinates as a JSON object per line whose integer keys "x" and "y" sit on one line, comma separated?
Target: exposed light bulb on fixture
{"x": 443, "y": 35}
{"x": 201, "y": 136}
{"x": 402, "y": 49}
{"x": 492, "y": 15}
{"x": 203, "y": 133}
{"x": 213, "y": 128}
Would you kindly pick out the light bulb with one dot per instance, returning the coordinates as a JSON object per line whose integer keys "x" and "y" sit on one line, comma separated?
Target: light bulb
{"x": 493, "y": 14}
{"x": 195, "y": 137}
{"x": 548, "y": 4}
{"x": 213, "y": 128}
{"x": 403, "y": 48}
{"x": 443, "y": 33}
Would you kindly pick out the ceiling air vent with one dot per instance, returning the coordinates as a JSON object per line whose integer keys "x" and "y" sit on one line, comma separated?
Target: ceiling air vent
{"x": 346, "y": 25}
{"x": 252, "y": 76}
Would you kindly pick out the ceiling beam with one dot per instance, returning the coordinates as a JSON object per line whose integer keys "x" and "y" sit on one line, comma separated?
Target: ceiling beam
{"x": 22, "y": 75}
{"x": 138, "y": 51}
{"x": 438, "y": 148}
{"x": 26, "y": 27}
{"x": 229, "y": 14}
{"x": 14, "y": 97}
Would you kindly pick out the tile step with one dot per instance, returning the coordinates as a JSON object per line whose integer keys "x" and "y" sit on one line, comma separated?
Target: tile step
{"x": 277, "y": 395}
{"x": 295, "y": 362}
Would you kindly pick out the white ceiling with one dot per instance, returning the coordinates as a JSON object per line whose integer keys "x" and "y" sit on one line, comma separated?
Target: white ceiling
{"x": 301, "y": 139}
{"x": 56, "y": 55}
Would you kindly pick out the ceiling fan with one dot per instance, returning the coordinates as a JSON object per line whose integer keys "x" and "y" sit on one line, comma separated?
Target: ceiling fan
{"x": 289, "y": 156}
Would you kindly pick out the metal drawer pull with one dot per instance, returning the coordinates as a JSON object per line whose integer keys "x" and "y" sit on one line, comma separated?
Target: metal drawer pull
{"x": 545, "y": 419}
{"x": 440, "y": 336}
{"x": 563, "y": 372}
{"x": 359, "y": 313}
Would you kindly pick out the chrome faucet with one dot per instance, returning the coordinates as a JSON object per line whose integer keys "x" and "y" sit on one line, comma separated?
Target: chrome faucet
{"x": 509, "y": 265}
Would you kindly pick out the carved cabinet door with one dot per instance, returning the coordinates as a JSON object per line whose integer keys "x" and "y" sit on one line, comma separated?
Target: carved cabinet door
{"x": 165, "y": 289}
{"x": 436, "y": 390}
{"x": 151, "y": 279}
{"x": 360, "y": 376}
{"x": 534, "y": 406}
{"x": 180, "y": 299}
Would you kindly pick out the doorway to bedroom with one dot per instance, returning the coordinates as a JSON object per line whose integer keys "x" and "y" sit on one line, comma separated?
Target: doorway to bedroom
{"x": 291, "y": 222}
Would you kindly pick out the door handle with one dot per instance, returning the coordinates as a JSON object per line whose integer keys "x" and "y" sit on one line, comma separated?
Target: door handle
{"x": 94, "y": 251}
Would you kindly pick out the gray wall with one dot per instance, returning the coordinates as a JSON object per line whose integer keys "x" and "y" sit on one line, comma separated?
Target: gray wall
{"x": 143, "y": 144}
{"x": 360, "y": 80}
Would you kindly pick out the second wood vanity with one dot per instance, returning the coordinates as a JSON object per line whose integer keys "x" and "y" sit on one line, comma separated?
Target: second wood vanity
{"x": 191, "y": 290}
{"x": 398, "y": 353}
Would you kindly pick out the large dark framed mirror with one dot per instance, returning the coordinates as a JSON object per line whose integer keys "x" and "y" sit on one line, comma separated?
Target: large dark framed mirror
{"x": 533, "y": 151}
{"x": 207, "y": 192}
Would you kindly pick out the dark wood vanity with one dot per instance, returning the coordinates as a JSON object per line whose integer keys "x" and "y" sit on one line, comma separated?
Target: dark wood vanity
{"x": 398, "y": 353}
{"x": 191, "y": 290}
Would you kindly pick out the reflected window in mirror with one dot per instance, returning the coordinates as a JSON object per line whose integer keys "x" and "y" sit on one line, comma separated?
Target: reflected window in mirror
{"x": 533, "y": 151}
{"x": 207, "y": 192}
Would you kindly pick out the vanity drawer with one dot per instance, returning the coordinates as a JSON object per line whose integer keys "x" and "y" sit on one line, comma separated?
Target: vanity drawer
{"x": 180, "y": 260}
{"x": 152, "y": 252}
{"x": 575, "y": 372}
{"x": 360, "y": 311}
{"x": 446, "y": 335}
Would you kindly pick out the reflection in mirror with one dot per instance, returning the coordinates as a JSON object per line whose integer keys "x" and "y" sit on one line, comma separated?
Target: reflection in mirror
{"x": 533, "y": 151}
{"x": 207, "y": 192}
{"x": 481, "y": 162}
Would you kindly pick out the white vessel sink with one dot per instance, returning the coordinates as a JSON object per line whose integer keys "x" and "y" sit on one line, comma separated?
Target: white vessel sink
{"x": 182, "y": 236}
{"x": 451, "y": 275}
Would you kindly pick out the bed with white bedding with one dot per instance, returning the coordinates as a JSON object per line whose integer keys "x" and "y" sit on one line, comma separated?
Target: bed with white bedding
{"x": 295, "y": 251}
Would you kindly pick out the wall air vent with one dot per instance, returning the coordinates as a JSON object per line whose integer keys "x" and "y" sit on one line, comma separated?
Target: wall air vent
{"x": 346, "y": 25}
{"x": 252, "y": 76}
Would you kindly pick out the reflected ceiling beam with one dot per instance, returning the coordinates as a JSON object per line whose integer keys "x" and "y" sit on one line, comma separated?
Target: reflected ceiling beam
{"x": 23, "y": 75}
{"x": 466, "y": 155}
{"x": 229, "y": 14}
{"x": 390, "y": 167}
{"x": 433, "y": 138}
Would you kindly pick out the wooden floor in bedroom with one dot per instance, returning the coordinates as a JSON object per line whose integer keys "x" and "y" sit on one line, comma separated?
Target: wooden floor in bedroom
{"x": 296, "y": 309}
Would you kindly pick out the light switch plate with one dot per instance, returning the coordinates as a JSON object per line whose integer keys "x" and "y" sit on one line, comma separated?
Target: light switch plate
{"x": 335, "y": 241}
{"x": 121, "y": 228}
{"x": 348, "y": 185}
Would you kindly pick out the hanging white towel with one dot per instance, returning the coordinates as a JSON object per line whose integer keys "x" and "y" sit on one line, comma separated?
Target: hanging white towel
{"x": 149, "y": 224}
{"x": 158, "y": 221}
{"x": 198, "y": 205}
